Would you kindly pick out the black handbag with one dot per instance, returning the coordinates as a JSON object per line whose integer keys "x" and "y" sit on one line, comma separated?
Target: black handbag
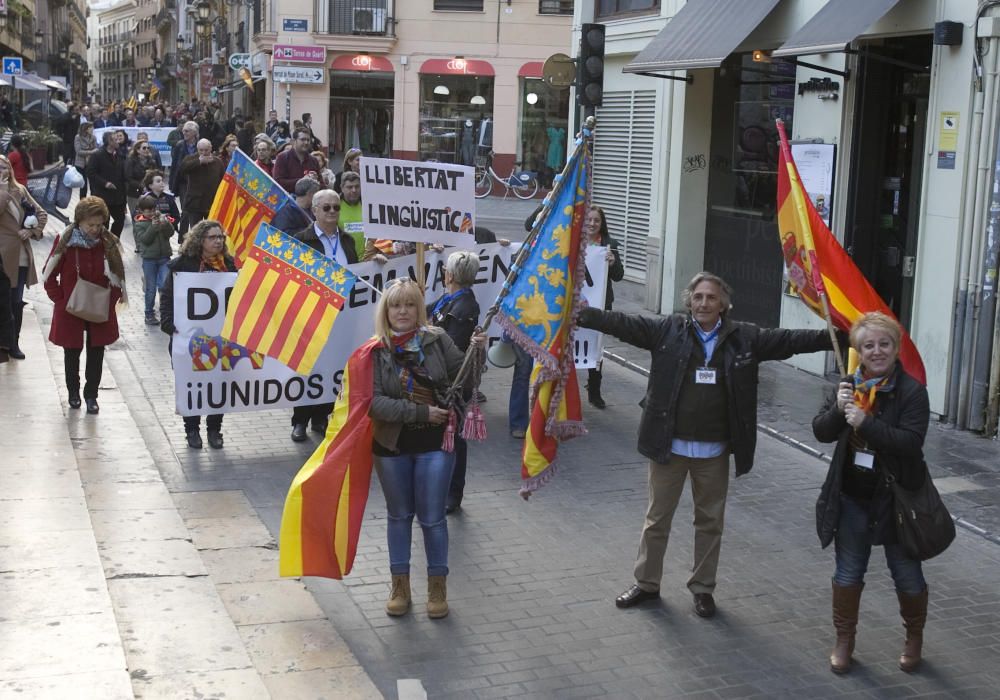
{"x": 924, "y": 527}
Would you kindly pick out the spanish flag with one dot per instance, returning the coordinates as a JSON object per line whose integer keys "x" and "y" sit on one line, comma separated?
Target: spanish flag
{"x": 538, "y": 309}
{"x": 285, "y": 301}
{"x": 818, "y": 265}
{"x": 246, "y": 197}
{"x": 321, "y": 523}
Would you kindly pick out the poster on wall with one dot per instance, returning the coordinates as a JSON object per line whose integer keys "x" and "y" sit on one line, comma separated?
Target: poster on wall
{"x": 816, "y": 164}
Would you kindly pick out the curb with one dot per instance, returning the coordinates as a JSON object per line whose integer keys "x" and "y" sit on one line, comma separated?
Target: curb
{"x": 802, "y": 447}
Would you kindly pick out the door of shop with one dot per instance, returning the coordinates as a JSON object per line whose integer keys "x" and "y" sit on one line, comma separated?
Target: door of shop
{"x": 883, "y": 207}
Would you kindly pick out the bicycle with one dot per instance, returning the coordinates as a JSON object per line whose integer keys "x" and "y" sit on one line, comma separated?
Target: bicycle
{"x": 524, "y": 183}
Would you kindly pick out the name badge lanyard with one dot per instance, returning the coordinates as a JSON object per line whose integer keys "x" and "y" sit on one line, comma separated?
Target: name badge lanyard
{"x": 335, "y": 247}
{"x": 706, "y": 374}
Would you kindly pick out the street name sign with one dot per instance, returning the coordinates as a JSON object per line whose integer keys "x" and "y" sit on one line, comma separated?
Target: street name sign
{"x": 12, "y": 65}
{"x": 297, "y": 74}
{"x": 294, "y": 25}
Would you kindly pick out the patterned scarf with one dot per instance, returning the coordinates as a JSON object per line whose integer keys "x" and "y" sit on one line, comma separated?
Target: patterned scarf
{"x": 865, "y": 390}
{"x": 216, "y": 262}
{"x": 78, "y": 239}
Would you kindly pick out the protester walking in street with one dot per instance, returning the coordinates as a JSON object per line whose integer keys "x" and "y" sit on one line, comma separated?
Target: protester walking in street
{"x": 326, "y": 175}
{"x": 457, "y": 312}
{"x": 352, "y": 164}
{"x": 700, "y": 407}
{"x": 20, "y": 160}
{"x": 22, "y": 220}
{"x": 85, "y": 260}
{"x": 595, "y": 227}
{"x": 292, "y": 218}
{"x": 139, "y": 161}
{"x": 202, "y": 173}
{"x": 263, "y": 151}
{"x": 229, "y": 146}
{"x": 203, "y": 250}
{"x": 296, "y": 163}
{"x": 185, "y": 147}
{"x": 85, "y": 145}
{"x": 324, "y": 236}
{"x": 152, "y": 231}
{"x": 351, "y": 216}
{"x": 878, "y": 418}
{"x": 414, "y": 366}
{"x": 6, "y": 317}
{"x": 155, "y": 185}
{"x": 245, "y": 135}
{"x": 153, "y": 152}
{"x": 106, "y": 172}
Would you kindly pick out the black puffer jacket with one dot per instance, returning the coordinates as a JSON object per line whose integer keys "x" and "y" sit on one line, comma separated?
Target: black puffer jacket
{"x": 895, "y": 432}
{"x": 671, "y": 340}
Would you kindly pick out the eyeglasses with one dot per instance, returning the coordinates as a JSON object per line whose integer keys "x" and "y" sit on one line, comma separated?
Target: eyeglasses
{"x": 216, "y": 237}
{"x": 328, "y": 207}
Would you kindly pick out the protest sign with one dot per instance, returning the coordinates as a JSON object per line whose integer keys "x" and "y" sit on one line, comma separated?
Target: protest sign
{"x": 157, "y": 137}
{"x": 405, "y": 200}
{"x": 589, "y": 344}
{"x": 212, "y": 375}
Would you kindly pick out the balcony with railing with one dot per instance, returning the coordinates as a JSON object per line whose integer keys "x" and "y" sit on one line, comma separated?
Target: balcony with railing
{"x": 352, "y": 25}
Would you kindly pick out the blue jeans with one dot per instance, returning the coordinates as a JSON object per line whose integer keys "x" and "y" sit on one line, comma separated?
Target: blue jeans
{"x": 854, "y": 547}
{"x": 518, "y": 411}
{"x": 418, "y": 484}
{"x": 154, "y": 271}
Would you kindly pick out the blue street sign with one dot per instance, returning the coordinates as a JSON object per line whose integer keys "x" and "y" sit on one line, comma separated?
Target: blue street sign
{"x": 294, "y": 25}
{"x": 12, "y": 65}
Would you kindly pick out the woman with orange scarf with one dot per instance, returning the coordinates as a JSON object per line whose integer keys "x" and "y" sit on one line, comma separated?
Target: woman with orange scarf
{"x": 879, "y": 420}
{"x": 203, "y": 250}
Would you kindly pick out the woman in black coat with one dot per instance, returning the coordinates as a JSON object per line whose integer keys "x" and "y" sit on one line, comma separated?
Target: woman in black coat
{"x": 595, "y": 228}
{"x": 879, "y": 420}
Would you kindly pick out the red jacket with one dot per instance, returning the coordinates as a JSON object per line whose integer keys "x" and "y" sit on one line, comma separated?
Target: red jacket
{"x": 288, "y": 169}
{"x": 21, "y": 168}
{"x": 67, "y": 329}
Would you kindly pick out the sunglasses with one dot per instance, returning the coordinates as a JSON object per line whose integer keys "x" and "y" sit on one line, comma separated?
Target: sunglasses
{"x": 215, "y": 237}
{"x": 328, "y": 207}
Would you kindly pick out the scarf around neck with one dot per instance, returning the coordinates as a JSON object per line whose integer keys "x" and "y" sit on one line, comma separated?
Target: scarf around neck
{"x": 217, "y": 263}
{"x": 866, "y": 390}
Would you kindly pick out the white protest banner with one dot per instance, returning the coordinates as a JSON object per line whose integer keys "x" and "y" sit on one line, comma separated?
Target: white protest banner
{"x": 157, "y": 137}
{"x": 589, "y": 344}
{"x": 407, "y": 200}
{"x": 212, "y": 375}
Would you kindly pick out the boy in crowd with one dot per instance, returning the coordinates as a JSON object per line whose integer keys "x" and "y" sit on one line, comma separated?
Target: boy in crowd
{"x": 152, "y": 230}
{"x": 155, "y": 185}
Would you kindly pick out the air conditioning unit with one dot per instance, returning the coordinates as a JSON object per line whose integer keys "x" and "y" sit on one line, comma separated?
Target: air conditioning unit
{"x": 369, "y": 20}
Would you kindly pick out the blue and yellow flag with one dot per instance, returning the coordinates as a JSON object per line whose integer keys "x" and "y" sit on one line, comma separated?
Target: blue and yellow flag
{"x": 538, "y": 310}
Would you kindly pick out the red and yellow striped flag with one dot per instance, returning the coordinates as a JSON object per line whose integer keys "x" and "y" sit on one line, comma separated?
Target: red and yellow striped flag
{"x": 246, "y": 198}
{"x": 321, "y": 523}
{"x": 285, "y": 301}
{"x": 817, "y": 264}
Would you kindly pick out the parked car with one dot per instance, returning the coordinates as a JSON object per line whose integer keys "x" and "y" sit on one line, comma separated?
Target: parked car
{"x": 34, "y": 112}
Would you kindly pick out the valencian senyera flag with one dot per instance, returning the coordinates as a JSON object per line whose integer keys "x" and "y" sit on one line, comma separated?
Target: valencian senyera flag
{"x": 246, "y": 197}
{"x": 321, "y": 522}
{"x": 285, "y": 301}
{"x": 538, "y": 309}
{"x": 818, "y": 265}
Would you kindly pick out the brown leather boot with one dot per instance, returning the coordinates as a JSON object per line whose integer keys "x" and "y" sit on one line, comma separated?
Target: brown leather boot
{"x": 399, "y": 596}
{"x": 437, "y": 596}
{"x": 913, "y": 609}
{"x": 846, "y": 601}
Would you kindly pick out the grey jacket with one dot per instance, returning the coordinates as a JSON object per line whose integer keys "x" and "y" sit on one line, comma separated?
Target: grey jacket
{"x": 389, "y": 410}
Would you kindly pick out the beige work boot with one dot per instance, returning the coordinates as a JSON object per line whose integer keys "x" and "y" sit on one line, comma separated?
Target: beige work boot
{"x": 437, "y": 596}
{"x": 399, "y": 596}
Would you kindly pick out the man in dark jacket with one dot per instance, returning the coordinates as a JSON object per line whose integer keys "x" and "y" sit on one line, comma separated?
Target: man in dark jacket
{"x": 324, "y": 236}
{"x": 202, "y": 174}
{"x": 291, "y": 218}
{"x": 67, "y": 127}
{"x": 296, "y": 163}
{"x": 700, "y": 406}
{"x": 181, "y": 149}
{"x": 106, "y": 175}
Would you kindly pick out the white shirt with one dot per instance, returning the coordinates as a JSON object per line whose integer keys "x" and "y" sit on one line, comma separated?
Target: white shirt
{"x": 332, "y": 247}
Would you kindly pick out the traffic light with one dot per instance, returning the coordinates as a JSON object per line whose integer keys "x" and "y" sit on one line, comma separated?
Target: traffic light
{"x": 590, "y": 66}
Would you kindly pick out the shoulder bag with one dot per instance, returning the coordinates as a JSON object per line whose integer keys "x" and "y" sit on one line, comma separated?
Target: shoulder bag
{"x": 89, "y": 301}
{"x": 924, "y": 526}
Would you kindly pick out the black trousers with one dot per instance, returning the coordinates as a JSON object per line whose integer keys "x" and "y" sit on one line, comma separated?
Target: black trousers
{"x": 92, "y": 372}
{"x": 6, "y": 312}
{"x": 213, "y": 422}
{"x": 457, "y": 487}
{"x": 117, "y": 212}
{"x": 317, "y": 413}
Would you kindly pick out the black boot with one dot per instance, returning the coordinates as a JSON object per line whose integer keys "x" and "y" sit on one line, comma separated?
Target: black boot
{"x": 594, "y": 388}
{"x": 15, "y": 349}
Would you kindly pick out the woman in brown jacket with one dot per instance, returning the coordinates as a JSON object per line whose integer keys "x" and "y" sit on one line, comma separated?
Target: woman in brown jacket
{"x": 21, "y": 221}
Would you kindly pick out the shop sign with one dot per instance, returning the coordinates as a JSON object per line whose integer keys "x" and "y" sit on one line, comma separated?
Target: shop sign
{"x": 295, "y": 74}
{"x": 239, "y": 60}
{"x": 299, "y": 54}
{"x": 294, "y": 25}
{"x": 424, "y": 202}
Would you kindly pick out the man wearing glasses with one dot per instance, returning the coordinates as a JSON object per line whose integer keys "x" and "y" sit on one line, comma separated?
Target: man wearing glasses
{"x": 325, "y": 237}
{"x": 292, "y": 165}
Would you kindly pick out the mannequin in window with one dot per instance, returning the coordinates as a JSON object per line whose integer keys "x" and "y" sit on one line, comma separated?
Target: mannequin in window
{"x": 557, "y": 147}
{"x": 468, "y": 144}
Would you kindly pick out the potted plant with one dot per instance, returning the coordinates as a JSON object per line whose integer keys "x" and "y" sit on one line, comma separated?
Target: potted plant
{"x": 40, "y": 143}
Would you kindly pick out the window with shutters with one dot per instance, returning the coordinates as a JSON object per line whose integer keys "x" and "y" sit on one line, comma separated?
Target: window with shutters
{"x": 623, "y": 171}
{"x": 459, "y": 5}
{"x": 555, "y": 7}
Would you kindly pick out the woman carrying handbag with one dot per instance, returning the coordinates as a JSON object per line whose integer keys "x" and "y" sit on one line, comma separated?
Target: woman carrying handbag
{"x": 84, "y": 277}
{"x": 879, "y": 420}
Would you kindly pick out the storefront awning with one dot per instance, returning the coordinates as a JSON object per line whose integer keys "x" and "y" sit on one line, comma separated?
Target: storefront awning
{"x": 532, "y": 69}
{"x": 26, "y": 81}
{"x": 54, "y": 84}
{"x": 362, "y": 63}
{"x": 456, "y": 66}
{"x": 835, "y": 26}
{"x": 4, "y": 82}
{"x": 701, "y": 35}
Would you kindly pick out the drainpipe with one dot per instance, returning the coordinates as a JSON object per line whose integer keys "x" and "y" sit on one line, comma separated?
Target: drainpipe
{"x": 982, "y": 173}
{"x": 993, "y": 406}
{"x": 983, "y": 367}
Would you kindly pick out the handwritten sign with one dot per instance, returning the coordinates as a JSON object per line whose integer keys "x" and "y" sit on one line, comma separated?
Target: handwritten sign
{"x": 424, "y": 202}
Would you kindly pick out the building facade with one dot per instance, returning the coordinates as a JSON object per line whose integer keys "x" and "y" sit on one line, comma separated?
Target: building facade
{"x": 686, "y": 160}
{"x": 445, "y": 80}
{"x": 117, "y": 77}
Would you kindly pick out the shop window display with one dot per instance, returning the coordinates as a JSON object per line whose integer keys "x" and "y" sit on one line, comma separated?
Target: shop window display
{"x": 456, "y": 118}
{"x": 361, "y": 112}
{"x": 544, "y": 127}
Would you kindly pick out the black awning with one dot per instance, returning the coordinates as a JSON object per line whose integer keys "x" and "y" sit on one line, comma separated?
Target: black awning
{"x": 835, "y": 26}
{"x": 701, "y": 35}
